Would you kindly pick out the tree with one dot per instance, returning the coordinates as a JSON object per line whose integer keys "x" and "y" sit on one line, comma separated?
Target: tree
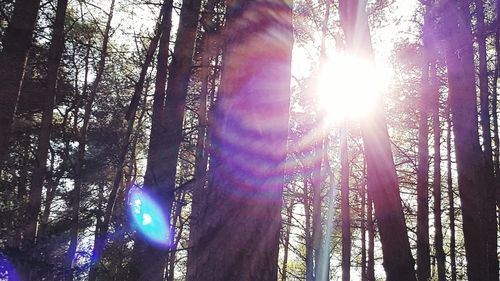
{"x": 474, "y": 176}
{"x": 249, "y": 133}
{"x": 16, "y": 45}
{"x": 382, "y": 179}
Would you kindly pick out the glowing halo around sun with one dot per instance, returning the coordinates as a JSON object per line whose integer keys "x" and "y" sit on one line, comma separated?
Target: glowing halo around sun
{"x": 348, "y": 87}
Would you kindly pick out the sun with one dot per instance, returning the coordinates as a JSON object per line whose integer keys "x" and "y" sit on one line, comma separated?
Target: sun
{"x": 348, "y": 87}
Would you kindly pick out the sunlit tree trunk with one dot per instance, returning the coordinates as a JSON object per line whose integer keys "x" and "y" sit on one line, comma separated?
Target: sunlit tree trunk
{"x": 475, "y": 179}
{"x": 15, "y": 47}
{"x": 383, "y": 184}
{"x": 248, "y": 141}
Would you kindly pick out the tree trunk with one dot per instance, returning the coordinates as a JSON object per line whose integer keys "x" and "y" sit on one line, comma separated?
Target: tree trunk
{"x": 451, "y": 199}
{"x": 307, "y": 233}
{"x": 436, "y": 185}
{"x": 39, "y": 171}
{"x": 164, "y": 146}
{"x": 15, "y": 47}
{"x": 363, "y": 226}
{"x": 423, "y": 246}
{"x": 370, "y": 271}
{"x": 286, "y": 244}
{"x": 475, "y": 179}
{"x": 383, "y": 184}
{"x": 249, "y": 134}
{"x": 345, "y": 208}
{"x": 210, "y": 47}
{"x": 78, "y": 184}
{"x": 483, "y": 82}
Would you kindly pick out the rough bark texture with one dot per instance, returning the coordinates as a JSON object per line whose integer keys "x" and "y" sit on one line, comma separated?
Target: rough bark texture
{"x": 475, "y": 179}
{"x": 16, "y": 45}
{"x": 382, "y": 179}
{"x": 241, "y": 224}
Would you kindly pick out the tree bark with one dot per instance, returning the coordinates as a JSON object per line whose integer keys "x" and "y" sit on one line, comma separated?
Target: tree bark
{"x": 382, "y": 179}
{"x": 15, "y": 47}
{"x": 249, "y": 134}
{"x": 475, "y": 178}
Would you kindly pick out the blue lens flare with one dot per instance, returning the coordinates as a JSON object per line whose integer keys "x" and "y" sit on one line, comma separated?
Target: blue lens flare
{"x": 147, "y": 217}
{"x": 7, "y": 271}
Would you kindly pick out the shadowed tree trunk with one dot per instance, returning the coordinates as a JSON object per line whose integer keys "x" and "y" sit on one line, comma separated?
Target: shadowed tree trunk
{"x": 382, "y": 181}
{"x": 345, "y": 208}
{"x": 15, "y": 47}
{"x": 39, "y": 171}
{"x": 155, "y": 270}
{"x": 451, "y": 197}
{"x": 149, "y": 260}
{"x": 475, "y": 178}
{"x": 248, "y": 144}
{"x": 423, "y": 246}
{"x": 370, "y": 270}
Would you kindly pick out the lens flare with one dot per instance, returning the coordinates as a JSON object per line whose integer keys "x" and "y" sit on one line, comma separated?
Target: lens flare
{"x": 147, "y": 217}
{"x": 7, "y": 271}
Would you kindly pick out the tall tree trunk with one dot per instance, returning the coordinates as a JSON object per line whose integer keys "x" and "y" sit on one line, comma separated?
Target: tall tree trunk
{"x": 345, "y": 208}
{"x": 483, "y": 83}
{"x": 475, "y": 179}
{"x": 163, "y": 153}
{"x": 39, "y": 171}
{"x": 451, "y": 197}
{"x": 370, "y": 271}
{"x": 210, "y": 47}
{"x": 102, "y": 227}
{"x": 436, "y": 185}
{"x": 363, "y": 226}
{"x": 249, "y": 134}
{"x": 317, "y": 219}
{"x": 15, "y": 47}
{"x": 307, "y": 235}
{"x": 382, "y": 179}
{"x": 82, "y": 135}
{"x": 286, "y": 244}
{"x": 423, "y": 246}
